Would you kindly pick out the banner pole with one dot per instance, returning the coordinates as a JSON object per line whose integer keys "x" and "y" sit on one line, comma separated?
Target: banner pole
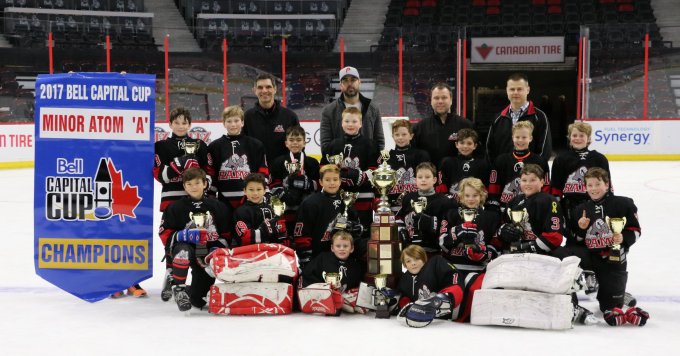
{"x": 167, "y": 86}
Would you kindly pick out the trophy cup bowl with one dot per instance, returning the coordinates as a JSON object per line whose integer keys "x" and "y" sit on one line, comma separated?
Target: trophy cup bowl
{"x": 348, "y": 198}
{"x": 379, "y": 298}
{"x": 384, "y": 178}
{"x": 468, "y": 215}
{"x": 335, "y": 159}
{"x": 333, "y": 279}
{"x": 380, "y": 281}
{"x": 292, "y": 167}
{"x": 278, "y": 207}
{"x": 419, "y": 205}
{"x": 616, "y": 225}
{"x": 517, "y": 217}
{"x": 199, "y": 220}
{"x": 190, "y": 148}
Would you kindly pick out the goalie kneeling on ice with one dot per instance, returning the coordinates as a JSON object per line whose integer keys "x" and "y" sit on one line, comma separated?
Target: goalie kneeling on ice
{"x": 522, "y": 309}
{"x": 251, "y": 298}
{"x": 533, "y": 272}
{"x": 254, "y": 263}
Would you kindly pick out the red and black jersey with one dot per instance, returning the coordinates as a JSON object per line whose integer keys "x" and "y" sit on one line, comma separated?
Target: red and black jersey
{"x": 545, "y": 222}
{"x": 506, "y": 171}
{"x": 231, "y": 159}
{"x": 568, "y": 174}
{"x": 437, "y": 206}
{"x": 597, "y": 237}
{"x": 170, "y": 178}
{"x": 437, "y": 275}
{"x": 309, "y": 168}
{"x": 314, "y": 220}
{"x": 247, "y": 220}
{"x": 404, "y": 161}
{"x": 351, "y": 270}
{"x": 487, "y": 222}
{"x": 454, "y": 169}
{"x": 176, "y": 217}
{"x": 269, "y": 126}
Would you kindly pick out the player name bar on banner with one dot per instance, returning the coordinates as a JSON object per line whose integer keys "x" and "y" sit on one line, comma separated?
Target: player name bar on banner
{"x": 517, "y": 49}
{"x": 94, "y": 151}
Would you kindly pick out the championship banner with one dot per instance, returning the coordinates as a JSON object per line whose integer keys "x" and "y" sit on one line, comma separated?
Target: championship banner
{"x": 516, "y": 49}
{"x": 93, "y": 205}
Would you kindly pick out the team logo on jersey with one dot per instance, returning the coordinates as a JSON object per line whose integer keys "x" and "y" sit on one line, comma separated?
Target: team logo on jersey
{"x": 453, "y": 136}
{"x": 406, "y": 181}
{"x": 598, "y": 235}
{"x": 71, "y": 196}
{"x": 576, "y": 181}
{"x": 351, "y": 163}
{"x": 424, "y": 293}
{"x": 336, "y": 204}
{"x": 510, "y": 191}
{"x": 466, "y": 166}
{"x": 518, "y": 166}
{"x": 235, "y": 167}
{"x": 279, "y": 128}
{"x": 454, "y": 191}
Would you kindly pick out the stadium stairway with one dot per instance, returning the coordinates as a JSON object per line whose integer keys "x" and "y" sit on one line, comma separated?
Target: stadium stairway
{"x": 668, "y": 19}
{"x": 363, "y": 25}
{"x": 168, "y": 20}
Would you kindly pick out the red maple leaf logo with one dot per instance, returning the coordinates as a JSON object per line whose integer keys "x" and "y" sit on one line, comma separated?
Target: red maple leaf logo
{"x": 484, "y": 50}
{"x": 125, "y": 198}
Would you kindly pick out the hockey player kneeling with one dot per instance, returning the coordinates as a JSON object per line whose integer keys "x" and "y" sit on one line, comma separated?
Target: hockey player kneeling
{"x": 432, "y": 289}
{"x": 317, "y": 296}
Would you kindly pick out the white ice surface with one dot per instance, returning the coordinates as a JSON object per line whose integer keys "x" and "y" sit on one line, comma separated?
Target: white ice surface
{"x": 40, "y": 319}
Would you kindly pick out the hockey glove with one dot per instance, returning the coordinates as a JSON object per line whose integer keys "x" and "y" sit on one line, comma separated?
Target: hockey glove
{"x": 425, "y": 223}
{"x": 192, "y": 236}
{"x": 300, "y": 182}
{"x": 615, "y": 317}
{"x": 510, "y": 233}
{"x": 467, "y": 233}
{"x": 351, "y": 177}
{"x": 525, "y": 247}
{"x": 421, "y": 313}
{"x": 636, "y": 316}
{"x": 476, "y": 252}
{"x": 402, "y": 232}
{"x": 179, "y": 164}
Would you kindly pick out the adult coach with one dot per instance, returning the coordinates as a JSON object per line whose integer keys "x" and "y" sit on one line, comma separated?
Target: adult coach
{"x": 268, "y": 121}
{"x": 499, "y": 139}
{"x": 438, "y": 133}
{"x": 331, "y": 118}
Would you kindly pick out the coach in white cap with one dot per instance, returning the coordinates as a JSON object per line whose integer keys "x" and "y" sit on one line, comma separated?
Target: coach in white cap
{"x": 331, "y": 119}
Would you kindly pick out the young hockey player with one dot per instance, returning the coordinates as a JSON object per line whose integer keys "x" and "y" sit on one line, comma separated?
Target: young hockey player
{"x": 467, "y": 243}
{"x": 254, "y": 221}
{"x": 293, "y": 187}
{"x": 422, "y": 228}
{"x": 404, "y": 159}
{"x": 569, "y": 168}
{"x": 542, "y": 228}
{"x": 360, "y": 156}
{"x": 317, "y": 217}
{"x": 233, "y": 156}
{"x": 190, "y": 237}
{"x": 594, "y": 240}
{"x": 504, "y": 180}
{"x": 464, "y": 165}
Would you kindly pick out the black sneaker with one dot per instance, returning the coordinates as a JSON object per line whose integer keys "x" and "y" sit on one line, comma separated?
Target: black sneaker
{"x": 181, "y": 297}
{"x": 583, "y": 316}
{"x": 629, "y": 300}
{"x": 166, "y": 292}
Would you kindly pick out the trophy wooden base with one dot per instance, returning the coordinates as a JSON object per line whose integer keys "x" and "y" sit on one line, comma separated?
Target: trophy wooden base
{"x": 384, "y": 250}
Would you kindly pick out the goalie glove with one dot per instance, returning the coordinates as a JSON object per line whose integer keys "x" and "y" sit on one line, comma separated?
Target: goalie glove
{"x": 510, "y": 233}
{"x": 181, "y": 163}
{"x": 636, "y": 316}
{"x": 192, "y": 236}
{"x": 351, "y": 177}
{"x": 421, "y": 312}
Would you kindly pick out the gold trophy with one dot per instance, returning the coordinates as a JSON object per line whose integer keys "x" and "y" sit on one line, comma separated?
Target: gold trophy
{"x": 616, "y": 254}
{"x": 348, "y": 198}
{"x": 292, "y": 167}
{"x": 517, "y": 217}
{"x": 278, "y": 207}
{"x": 190, "y": 148}
{"x": 333, "y": 279}
{"x": 336, "y": 159}
{"x": 384, "y": 178}
{"x": 468, "y": 215}
{"x": 199, "y": 220}
{"x": 419, "y": 205}
{"x": 380, "y": 297}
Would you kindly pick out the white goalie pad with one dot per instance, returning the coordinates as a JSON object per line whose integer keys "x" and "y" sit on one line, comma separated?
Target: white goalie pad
{"x": 319, "y": 298}
{"x": 254, "y": 263}
{"x": 522, "y": 309}
{"x": 533, "y": 272}
{"x": 251, "y": 298}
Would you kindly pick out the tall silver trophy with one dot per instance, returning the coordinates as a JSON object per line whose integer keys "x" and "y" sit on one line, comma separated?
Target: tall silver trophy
{"x": 348, "y": 199}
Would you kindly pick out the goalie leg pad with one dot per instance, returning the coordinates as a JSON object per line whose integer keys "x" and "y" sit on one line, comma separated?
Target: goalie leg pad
{"x": 533, "y": 272}
{"x": 320, "y": 298}
{"x": 254, "y": 263}
{"x": 251, "y": 298}
{"x": 522, "y": 309}
{"x": 349, "y": 299}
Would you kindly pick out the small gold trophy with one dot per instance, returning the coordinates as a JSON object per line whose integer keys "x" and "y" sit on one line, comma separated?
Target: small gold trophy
{"x": 380, "y": 299}
{"x": 278, "y": 207}
{"x": 190, "y": 148}
{"x": 468, "y": 215}
{"x": 517, "y": 217}
{"x": 333, "y": 279}
{"x": 419, "y": 205}
{"x": 336, "y": 159}
{"x": 292, "y": 167}
{"x": 616, "y": 254}
{"x": 384, "y": 178}
{"x": 348, "y": 198}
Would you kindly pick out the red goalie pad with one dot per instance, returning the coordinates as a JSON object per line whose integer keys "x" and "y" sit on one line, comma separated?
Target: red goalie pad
{"x": 251, "y": 298}
{"x": 320, "y": 298}
{"x": 254, "y": 263}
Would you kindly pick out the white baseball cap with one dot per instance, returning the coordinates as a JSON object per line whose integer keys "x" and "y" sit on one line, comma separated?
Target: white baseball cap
{"x": 348, "y": 71}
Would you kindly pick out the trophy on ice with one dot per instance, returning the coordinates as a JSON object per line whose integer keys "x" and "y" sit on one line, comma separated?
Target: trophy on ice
{"x": 517, "y": 217}
{"x": 616, "y": 254}
{"x": 382, "y": 297}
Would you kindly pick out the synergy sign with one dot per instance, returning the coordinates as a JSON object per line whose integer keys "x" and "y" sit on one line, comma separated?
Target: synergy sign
{"x": 93, "y": 182}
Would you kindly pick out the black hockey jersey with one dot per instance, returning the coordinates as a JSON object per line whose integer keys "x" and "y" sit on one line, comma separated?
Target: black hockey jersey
{"x": 487, "y": 222}
{"x": 291, "y": 196}
{"x": 597, "y": 237}
{"x": 404, "y": 161}
{"x": 351, "y": 270}
{"x": 247, "y": 220}
{"x": 171, "y": 179}
{"x": 437, "y": 206}
{"x": 176, "y": 217}
{"x": 545, "y": 223}
{"x": 506, "y": 171}
{"x": 568, "y": 174}
{"x": 231, "y": 159}
{"x": 269, "y": 126}
{"x": 454, "y": 169}
{"x": 437, "y": 275}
